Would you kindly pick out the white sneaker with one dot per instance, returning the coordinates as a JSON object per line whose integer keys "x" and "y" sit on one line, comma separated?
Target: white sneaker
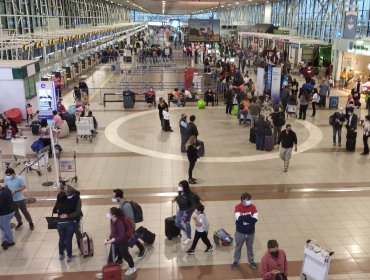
{"x": 99, "y": 275}
{"x": 130, "y": 271}
{"x": 186, "y": 241}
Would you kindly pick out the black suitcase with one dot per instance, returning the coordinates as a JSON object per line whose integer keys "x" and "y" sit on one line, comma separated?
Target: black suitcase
{"x": 252, "y": 135}
{"x": 146, "y": 235}
{"x": 200, "y": 148}
{"x": 170, "y": 228}
{"x": 351, "y": 141}
{"x": 127, "y": 102}
{"x": 35, "y": 127}
{"x": 71, "y": 121}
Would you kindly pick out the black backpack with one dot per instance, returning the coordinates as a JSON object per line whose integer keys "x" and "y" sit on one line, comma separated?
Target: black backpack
{"x": 138, "y": 212}
{"x": 281, "y": 276}
{"x": 281, "y": 119}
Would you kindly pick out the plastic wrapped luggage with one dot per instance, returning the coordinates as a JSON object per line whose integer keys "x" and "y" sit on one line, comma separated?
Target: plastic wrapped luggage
{"x": 127, "y": 102}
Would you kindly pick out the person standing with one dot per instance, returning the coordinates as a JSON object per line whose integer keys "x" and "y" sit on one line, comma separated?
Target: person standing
{"x": 366, "y": 134}
{"x": 343, "y": 78}
{"x": 161, "y": 106}
{"x": 192, "y": 152}
{"x": 278, "y": 120}
{"x": 261, "y": 128}
{"x": 287, "y": 138}
{"x": 295, "y": 87}
{"x": 338, "y": 120}
{"x": 16, "y": 184}
{"x": 352, "y": 120}
{"x": 202, "y": 225}
{"x": 183, "y": 125}
{"x": 315, "y": 98}
{"x": 303, "y": 105}
{"x": 128, "y": 211}
{"x": 229, "y": 96}
{"x": 324, "y": 89}
{"x": 191, "y": 128}
{"x": 186, "y": 205}
{"x": 7, "y": 212}
{"x": 166, "y": 119}
{"x": 273, "y": 261}
{"x": 68, "y": 208}
{"x": 254, "y": 111}
{"x": 246, "y": 217}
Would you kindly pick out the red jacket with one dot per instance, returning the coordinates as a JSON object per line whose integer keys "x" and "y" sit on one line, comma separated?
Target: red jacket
{"x": 269, "y": 263}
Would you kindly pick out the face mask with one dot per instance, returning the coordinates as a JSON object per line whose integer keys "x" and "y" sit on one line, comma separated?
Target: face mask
{"x": 275, "y": 254}
{"x": 109, "y": 216}
{"x": 70, "y": 196}
{"x": 180, "y": 189}
{"x": 114, "y": 200}
{"x": 247, "y": 203}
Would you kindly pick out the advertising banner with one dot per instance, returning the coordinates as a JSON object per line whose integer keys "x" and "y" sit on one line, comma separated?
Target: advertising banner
{"x": 204, "y": 30}
{"x": 46, "y": 98}
{"x": 350, "y": 23}
{"x": 275, "y": 85}
{"x": 260, "y": 80}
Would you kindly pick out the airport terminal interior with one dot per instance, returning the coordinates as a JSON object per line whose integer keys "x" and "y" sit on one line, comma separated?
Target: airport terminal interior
{"x": 117, "y": 59}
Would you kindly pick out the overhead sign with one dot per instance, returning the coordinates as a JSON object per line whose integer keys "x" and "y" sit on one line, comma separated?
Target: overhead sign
{"x": 359, "y": 47}
{"x": 350, "y": 23}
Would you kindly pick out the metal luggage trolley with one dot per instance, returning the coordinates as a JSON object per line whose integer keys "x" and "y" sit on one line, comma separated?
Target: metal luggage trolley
{"x": 83, "y": 131}
{"x": 291, "y": 110}
{"x": 67, "y": 165}
{"x": 316, "y": 261}
{"x": 42, "y": 161}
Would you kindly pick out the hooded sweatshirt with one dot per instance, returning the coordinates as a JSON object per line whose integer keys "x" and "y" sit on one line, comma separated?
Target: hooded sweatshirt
{"x": 270, "y": 263}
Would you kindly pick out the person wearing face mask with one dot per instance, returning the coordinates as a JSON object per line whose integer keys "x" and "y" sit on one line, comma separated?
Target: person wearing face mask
{"x": 119, "y": 239}
{"x": 7, "y": 212}
{"x": 246, "y": 217}
{"x": 68, "y": 208}
{"x": 186, "y": 204}
{"x": 273, "y": 262}
{"x": 288, "y": 138}
{"x": 16, "y": 184}
{"x": 127, "y": 210}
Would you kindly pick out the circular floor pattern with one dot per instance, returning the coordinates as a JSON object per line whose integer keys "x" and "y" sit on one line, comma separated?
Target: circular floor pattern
{"x": 111, "y": 133}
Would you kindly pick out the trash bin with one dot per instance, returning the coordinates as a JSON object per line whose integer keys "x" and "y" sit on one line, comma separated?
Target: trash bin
{"x": 333, "y": 102}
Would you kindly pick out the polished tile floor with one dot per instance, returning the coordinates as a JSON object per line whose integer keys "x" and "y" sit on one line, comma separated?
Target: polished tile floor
{"x": 325, "y": 195}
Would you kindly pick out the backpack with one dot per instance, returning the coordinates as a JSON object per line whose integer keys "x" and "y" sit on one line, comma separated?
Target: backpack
{"x": 332, "y": 119}
{"x": 281, "y": 276}
{"x": 138, "y": 212}
{"x": 129, "y": 227}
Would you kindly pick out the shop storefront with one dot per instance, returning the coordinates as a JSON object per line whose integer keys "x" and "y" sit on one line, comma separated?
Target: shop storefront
{"x": 354, "y": 57}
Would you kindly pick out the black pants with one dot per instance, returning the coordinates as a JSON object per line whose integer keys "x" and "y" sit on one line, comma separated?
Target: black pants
{"x": 167, "y": 126}
{"x": 191, "y": 167}
{"x": 229, "y": 107}
{"x": 138, "y": 244}
{"x": 21, "y": 205}
{"x": 366, "y": 145}
{"x": 302, "y": 111}
{"x": 200, "y": 235}
{"x": 122, "y": 250}
{"x": 313, "y": 109}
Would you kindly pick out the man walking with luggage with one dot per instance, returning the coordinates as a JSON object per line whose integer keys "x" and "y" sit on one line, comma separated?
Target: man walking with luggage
{"x": 128, "y": 211}
{"x": 246, "y": 217}
{"x": 287, "y": 138}
{"x": 16, "y": 184}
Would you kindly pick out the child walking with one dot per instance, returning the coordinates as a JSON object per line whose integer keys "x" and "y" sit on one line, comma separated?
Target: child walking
{"x": 29, "y": 112}
{"x": 201, "y": 231}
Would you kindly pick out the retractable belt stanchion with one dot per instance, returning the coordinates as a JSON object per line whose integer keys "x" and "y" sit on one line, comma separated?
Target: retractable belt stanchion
{"x": 56, "y": 182}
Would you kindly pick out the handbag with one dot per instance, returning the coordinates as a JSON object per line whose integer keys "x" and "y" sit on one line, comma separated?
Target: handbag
{"x": 52, "y": 221}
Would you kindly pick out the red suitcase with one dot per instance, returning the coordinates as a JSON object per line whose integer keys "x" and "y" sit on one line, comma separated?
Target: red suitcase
{"x": 112, "y": 272}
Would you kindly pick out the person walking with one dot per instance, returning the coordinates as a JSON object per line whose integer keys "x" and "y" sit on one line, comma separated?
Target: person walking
{"x": 183, "y": 125}
{"x": 316, "y": 98}
{"x": 201, "y": 232}
{"x": 16, "y": 184}
{"x": 273, "y": 262}
{"x": 128, "y": 211}
{"x": 192, "y": 152}
{"x": 303, "y": 105}
{"x": 366, "y": 134}
{"x": 287, "y": 138}
{"x": 338, "y": 120}
{"x": 278, "y": 120}
{"x": 246, "y": 217}
{"x": 186, "y": 205}
{"x": 68, "y": 208}
{"x": 7, "y": 212}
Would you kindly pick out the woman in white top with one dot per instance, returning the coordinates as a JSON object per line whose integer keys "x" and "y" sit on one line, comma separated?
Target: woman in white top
{"x": 166, "y": 119}
{"x": 315, "y": 100}
{"x": 366, "y": 129}
{"x": 201, "y": 231}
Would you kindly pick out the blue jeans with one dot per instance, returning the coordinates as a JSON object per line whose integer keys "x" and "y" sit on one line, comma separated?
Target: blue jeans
{"x": 183, "y": 218}
{"x": 260, "y": 141}
{"x": 66, "y": 231}
{"x": 335, "y": 131}
{"x": 6, "y": 231}
{"x": 245, "y": 116}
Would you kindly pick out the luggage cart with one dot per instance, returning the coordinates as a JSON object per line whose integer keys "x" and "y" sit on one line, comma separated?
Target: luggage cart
{"x": 67, "y": 165}
{"x": 316, "y": 261}
{"x": 83, "y": 131}
{"x": 42, "y": 161}
{"x": 291, "y": 110}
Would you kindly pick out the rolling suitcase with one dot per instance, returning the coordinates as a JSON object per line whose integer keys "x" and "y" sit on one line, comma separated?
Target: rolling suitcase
{"x": 200, "y": 148}
{"x": 221, "y": 237}
{"x": 252, "y": 135}
{"x": 269, "y": 143}
{"x": 35, "y": 127}
{"x": 127, "y": 102}
{"x": 146, "y": 235}
{"x": 86, "y": 245}
{"x": 351, "y": 141}
{"x": 170, "y": 228}
{"x": 112, "y": 271}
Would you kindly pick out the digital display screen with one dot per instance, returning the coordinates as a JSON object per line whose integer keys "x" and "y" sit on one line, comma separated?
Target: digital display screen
{"x": 204, "y": 30}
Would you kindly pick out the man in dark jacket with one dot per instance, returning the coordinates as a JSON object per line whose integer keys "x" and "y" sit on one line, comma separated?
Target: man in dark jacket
{"x": 7, "y": 212}
{"x": 288, "y": 138}
{"x": 338, "y": 120}
{"x": 278, "y": 119}
{"x": 183, "y": 126}
{"x": 68, "y": 207}
{"x": 191, "y": 128}
{"x": 261, "y": 129}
